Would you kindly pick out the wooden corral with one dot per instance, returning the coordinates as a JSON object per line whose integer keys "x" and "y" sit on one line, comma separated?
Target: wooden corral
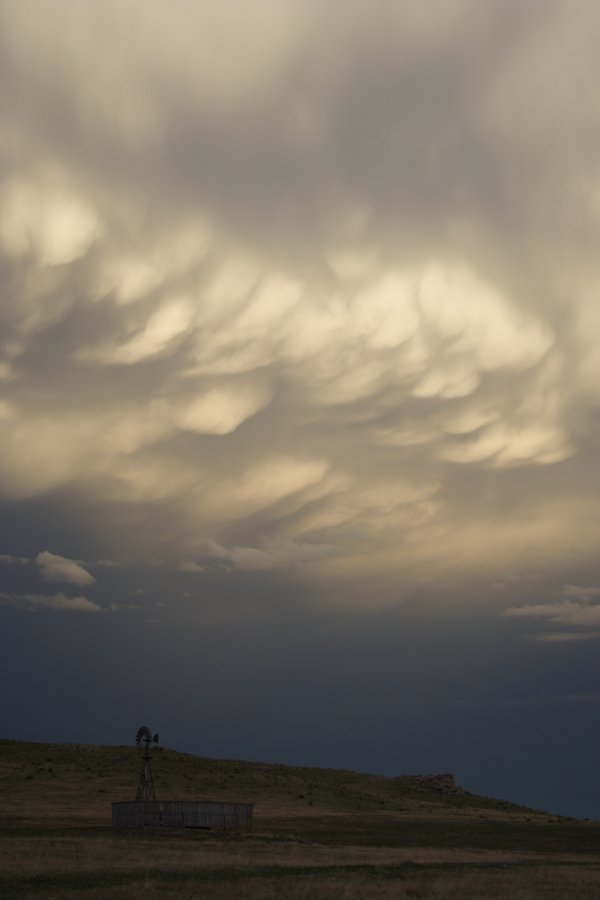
{"x": 182, "y": 814}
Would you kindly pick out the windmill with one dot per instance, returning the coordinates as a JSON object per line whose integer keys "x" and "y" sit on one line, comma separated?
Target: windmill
{"x": 145, "y": 812}
{"x": 145, "y": 740}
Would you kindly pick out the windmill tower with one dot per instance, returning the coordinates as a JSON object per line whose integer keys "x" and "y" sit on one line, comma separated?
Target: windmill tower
{"x": 144, "y": 740}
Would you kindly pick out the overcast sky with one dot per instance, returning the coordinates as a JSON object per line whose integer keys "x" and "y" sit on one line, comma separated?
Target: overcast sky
{"x": 299, "y": 379}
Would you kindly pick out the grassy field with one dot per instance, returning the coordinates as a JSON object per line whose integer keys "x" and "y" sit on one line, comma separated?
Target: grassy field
{"x": 317, "y": 833}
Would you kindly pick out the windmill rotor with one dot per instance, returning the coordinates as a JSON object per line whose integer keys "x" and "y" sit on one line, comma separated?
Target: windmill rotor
{"x": 144, "y": 736}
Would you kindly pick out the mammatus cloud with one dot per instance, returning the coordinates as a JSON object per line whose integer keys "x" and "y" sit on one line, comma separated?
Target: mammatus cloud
{"x": 272, "y": 554}
{"x": 58, "y": 568}
{"x": 313, "y": 293}
{"x": 54, "y": 602}
{"x": 580, "y": 608}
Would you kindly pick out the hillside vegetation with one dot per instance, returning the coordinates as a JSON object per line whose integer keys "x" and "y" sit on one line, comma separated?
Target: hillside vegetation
{"x": 77, "y": 782}
{"x": 326, "y": 832}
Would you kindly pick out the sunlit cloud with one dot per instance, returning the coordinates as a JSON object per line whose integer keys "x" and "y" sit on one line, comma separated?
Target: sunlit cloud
{"x": 58, "y": 568}
{"x": 272, "y": 554}
{"x": 580, "y": 609}
{"x": 54, "y": 226}
{"x": 222, "y": 409}
{"x": 155, "y": 336}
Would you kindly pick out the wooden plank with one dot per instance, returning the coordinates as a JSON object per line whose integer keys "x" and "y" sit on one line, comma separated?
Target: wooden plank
{"x": 183, "y": 814}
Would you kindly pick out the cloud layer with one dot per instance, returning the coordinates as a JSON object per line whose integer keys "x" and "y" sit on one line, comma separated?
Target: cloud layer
{"x": 315, "y": 295}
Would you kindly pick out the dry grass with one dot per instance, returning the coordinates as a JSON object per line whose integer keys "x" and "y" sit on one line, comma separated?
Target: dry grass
{"x": 132, "y": 864}
{"x": 522, "y": 884}
{"x": 50, "y": 853}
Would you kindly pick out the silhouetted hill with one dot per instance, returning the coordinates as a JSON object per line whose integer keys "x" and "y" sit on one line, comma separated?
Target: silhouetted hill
{"x": 77, "y": 783}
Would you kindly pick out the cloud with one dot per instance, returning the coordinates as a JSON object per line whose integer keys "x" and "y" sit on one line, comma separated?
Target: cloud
{"x": 188, "y": 565}
{"x": 55, "y": 602}
{"x": 58, "y": 227}
{"x": 155, "y": 336}
{"x": 561, "y": 637}
{"x": 58, "y": 568}
{"x": 222, "y": 410}
{"x": 7, "y": 559}
{"x": 583, "y": 594}
{"x": 577, "y": 613}
{"x": 271, "y": 554}
{"x": 582, "y": 611}
{"x": 261, "y": 277}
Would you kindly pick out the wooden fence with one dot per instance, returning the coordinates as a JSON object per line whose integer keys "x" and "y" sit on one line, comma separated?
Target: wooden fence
{"x": 182, "y": 814}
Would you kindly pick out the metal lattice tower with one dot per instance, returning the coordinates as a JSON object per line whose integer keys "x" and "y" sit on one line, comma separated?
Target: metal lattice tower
{"x": 144, "y": 740}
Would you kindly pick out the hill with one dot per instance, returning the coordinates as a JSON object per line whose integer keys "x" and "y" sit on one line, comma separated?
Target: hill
{"x": 68, "y": 783}
{"x": 316, "y": 823}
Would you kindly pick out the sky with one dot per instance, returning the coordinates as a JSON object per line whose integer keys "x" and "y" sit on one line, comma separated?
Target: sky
{"x": 299, "y": 403}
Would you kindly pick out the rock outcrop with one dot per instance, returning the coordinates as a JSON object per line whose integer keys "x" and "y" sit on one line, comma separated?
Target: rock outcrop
{"x": 438, "y": 784}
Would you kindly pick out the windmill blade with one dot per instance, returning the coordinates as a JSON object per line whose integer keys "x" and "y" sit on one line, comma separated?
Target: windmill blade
{"x": 143, "y": 734}
{"x": 155, "y": 738}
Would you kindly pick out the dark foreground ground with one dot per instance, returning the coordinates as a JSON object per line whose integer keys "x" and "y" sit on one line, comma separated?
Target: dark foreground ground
{"x": 317, "y": 833}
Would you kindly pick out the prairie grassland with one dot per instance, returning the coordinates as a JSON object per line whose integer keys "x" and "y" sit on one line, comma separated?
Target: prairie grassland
{"x": 92, "y": 863}
{"x": 91, "y": 869}
{"x": 347, "y": 886}
{"x": 317, "y": 834}
{"x": 51, "y": 853}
